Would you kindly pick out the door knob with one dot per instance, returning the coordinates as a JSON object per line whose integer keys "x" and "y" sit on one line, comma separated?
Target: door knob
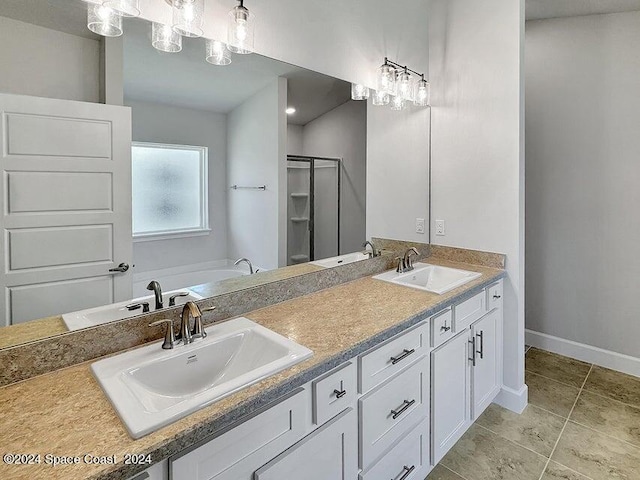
{"x": 123, "y": 267}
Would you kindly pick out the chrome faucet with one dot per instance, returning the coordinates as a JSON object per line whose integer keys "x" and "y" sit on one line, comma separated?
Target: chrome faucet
{"x": 374, "y": 251}
{"x": 187, "y": 335}
{"x": 157, "y": 291}
{"x": 405, "y": 263}
{"x": 248, "y": 262}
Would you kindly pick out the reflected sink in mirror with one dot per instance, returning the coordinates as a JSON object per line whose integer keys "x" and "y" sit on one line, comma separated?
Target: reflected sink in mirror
{"x": 150, "y": 387}
{"x": 430, "y": 278}
{"x": 341, "y": 260}
{"x": 119, "y": 311}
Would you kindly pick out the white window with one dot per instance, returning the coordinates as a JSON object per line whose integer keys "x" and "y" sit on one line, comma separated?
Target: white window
{"x": 169, "y": 187}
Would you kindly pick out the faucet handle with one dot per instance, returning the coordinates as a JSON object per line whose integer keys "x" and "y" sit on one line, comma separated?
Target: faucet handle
{"x": 169, "y": 336}
{"x": 198, "y": 329}
{"x": 172, "y": 298}
{"x": 400, "y": 268}
{"x": 135, "y": 306}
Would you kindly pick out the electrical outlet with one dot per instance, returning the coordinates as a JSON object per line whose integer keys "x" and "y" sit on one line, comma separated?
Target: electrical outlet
{"x": 419, "y": 225}
{"x": 440, "y": 227}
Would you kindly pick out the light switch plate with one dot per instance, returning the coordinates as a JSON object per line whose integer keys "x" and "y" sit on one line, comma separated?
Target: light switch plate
{"x": 440, "y": 227}
{"x": 419, "y": 225}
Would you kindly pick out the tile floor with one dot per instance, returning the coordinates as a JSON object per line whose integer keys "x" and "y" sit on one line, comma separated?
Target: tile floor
{"x": 582, "y": 423}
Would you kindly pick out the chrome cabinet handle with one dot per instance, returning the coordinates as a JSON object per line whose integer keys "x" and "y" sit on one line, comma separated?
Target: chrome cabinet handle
{"x": 406, "y": 404}
{"x": 135, "y": 306}
{"x": 123, "y": 267}
{"x": 169, "y": 336}
{"x": 404, "y": 355}
{"x": 340, "y": 393}
{"x": 407, "y": 471}
{"x": 473, "y": 351}
{"x": 172, "y": 298}
{"x": 481, "y": 337}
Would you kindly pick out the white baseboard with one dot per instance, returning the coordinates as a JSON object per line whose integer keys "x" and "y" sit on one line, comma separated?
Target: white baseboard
{"x": 514, "y": 400}
{"x": 586, "y": 353}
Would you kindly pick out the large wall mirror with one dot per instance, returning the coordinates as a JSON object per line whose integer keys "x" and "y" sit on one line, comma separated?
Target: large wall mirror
{"x": 239, "y": 175}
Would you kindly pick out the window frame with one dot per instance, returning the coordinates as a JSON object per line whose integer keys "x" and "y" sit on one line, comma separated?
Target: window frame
{"x": 204, "y": 228}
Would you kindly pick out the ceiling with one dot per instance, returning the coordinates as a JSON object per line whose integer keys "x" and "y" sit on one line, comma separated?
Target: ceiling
{"x": 187, "y": 80}
{"x": 539, "y": 9}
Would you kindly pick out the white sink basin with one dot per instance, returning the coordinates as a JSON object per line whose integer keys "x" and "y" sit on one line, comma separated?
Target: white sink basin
{"x": 150, "y": 387}
{"x": 431, "y": 278}
{"x": 118, "y": 311}
{"x": 341, "y": 260}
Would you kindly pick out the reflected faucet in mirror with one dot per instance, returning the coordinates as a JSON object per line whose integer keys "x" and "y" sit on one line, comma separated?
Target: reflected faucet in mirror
{"x": 157, "y": 292}
{"x": 374, "y": 251}
{"x": 248, "y": 262}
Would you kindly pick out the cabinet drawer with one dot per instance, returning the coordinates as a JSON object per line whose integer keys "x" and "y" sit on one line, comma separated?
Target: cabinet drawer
{"x": 494, "y": 296}
{"x": 408, "y": 460}
{"x": 441, "y": 327}
{"x": 388, "y": 412}
{"x": 386, "y": 360}
{"x": 333, "y": 392}
{"x": 467, "y": 312}
{"x": 257, "y": 439}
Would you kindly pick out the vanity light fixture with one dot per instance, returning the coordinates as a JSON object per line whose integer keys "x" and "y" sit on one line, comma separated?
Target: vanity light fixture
{"x": 104, "y": 21}
{"x": 240, "y": 29}
{"x": 188, "y": 17}
{"x": 126, "y": 8}
{"x": 404, "y": 84}
{"x": 217, "y": 53}
{"x": 401, "y": 85}
{"x": 381, "y": 98}
{"x": 165, "y": 39}
{"x": 422, "y": 96}
{"x": 290, "y": 111}
{"x": 359, "y": 92}
{"x": 398, "y": 103}
{"x": 386, "y": 78}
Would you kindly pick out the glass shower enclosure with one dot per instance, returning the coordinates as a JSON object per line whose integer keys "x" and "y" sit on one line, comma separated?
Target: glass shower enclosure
{"x": 313, "y": 208}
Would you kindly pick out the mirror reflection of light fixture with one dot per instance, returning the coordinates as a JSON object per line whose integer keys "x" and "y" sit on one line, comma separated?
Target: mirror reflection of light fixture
{"x": 422, "y": 96}
{"x": 104, "y": 21}
{"x": 398, "y": 103}
{"x": 290, "y": 111}
{"x": 188, "y": 17}
{"x": 381, "y": 98}
{"x": 386, "y": 78}
{"x": 165, "y": 39}
{"x": 217, "y": 53}
{"x": 126, "y": 8}
{"x": 359, "y": 92}
{"x": 240, "y": 30}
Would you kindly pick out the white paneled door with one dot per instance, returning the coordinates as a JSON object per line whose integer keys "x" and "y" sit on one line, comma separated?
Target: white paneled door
{"x": 66, "y": 206}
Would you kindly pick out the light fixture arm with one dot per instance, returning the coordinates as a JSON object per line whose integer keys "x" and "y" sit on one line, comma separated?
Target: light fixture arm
{"x": 402, "y": 67}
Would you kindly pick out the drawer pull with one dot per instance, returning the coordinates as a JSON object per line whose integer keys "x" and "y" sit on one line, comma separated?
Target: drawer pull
{"x": 340, "y": 393}
{"x": 406, "y": 472}
{"x": 406, "y": 404}
{"x": 481, "y": 337}
{"x": 404, "y": 355}
{"x": 473, "y": 351}
{"x": 496, "y": 296}
{"x": 444, "y": 328}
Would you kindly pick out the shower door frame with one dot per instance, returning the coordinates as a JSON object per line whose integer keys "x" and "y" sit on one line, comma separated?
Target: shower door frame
{"x": 312, "y": 203}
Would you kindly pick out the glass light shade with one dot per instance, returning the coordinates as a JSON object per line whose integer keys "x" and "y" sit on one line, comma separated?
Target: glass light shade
{"x": 386, "y": 81}
{"x": 404, "y": 85}
{"x": 217, "y": 53}
{"x": 381, "y": 98}
{"x": 240, "y": 30}
{"x": 104, "y": 21}
{"x": 398, "y": 103}
{"x": 163, "y": 38}
{"x": 126, "y": 8}
{"x": 359, "y": 92}
{"x": 422, "y": 96}
{"x": 188, "y": 17}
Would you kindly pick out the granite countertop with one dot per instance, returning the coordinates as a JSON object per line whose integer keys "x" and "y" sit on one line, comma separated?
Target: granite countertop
{"x": 65, "y": 413}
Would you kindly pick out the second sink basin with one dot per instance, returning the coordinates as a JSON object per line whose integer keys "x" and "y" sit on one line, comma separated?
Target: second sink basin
{"x": 431, "y": 278}
{"x": 150, "y": 387}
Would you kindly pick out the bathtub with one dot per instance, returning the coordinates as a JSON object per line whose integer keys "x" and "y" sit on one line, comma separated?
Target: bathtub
{"x": 186, "y": 276}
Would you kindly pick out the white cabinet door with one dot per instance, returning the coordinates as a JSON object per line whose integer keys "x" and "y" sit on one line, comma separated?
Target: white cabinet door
{"x": 66, "y": 206}
{"x": 485, "y": 378}
{"x": 450, "y": 390}
{"x": 330, "y": 452}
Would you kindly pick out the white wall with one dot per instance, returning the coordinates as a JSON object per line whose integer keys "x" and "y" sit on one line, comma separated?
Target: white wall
{"x": 477, "y": 156}
{"x": 583, "y": 179}
{"x": 167, "y": 124}
{"x": 342, "y": 133}
{"x": 294, "y": 140}
{"x": 256, "y": 149}
{"x": 397, "y": 172}
{"x": 46, "y": 63}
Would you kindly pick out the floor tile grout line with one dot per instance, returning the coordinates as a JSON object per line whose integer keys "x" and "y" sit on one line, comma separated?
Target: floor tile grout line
{"x": 637, "y": 407}
{"x": 513, "y": 442}
{"x": 557, "y": 381}
{"x": 452, "y": 471}
{"x": 566, "y": 422}
{"x": 571, "y": 469}
{"x": 547, "y": 411}
{"x": 605, "y": 434}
